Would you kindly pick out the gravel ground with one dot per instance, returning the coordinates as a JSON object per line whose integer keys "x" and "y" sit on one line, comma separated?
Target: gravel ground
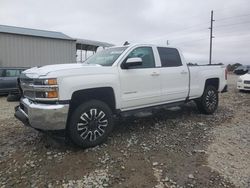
{"x": 177, "y": 147}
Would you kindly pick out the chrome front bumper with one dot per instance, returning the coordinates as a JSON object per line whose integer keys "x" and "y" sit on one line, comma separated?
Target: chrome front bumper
{"x": 42, "y": 116}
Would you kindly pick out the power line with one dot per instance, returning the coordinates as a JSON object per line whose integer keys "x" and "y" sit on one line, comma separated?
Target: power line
{"x": 232, "y": 29}
{"x": 175, "y": 32}
{"x": 191, "y": 41}
{"x": 202, "y": 38}
{"x": 188, "y": 37}
{"x": 236, "y": 41}
{"x": 193, "y": 28}
{"x": 223, "y": 10}
{"x": 202, "y": 29}
{"x": 228, "y": 36}
{"x": 196, "y": 40}
{"x": 232, "y": 17}
{"x": 234, "y": 33}
{"x": 226, "y": 25}
{"x": 185, "y": 37}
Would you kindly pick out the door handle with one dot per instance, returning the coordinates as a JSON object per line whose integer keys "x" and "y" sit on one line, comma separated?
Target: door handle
{"x": 155, "y": 74}
{"x": 184, "y": 72}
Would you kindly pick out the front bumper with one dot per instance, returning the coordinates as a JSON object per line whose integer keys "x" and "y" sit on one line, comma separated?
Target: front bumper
{"x": 243, "y": 86}
{"x": 42, "y": 116}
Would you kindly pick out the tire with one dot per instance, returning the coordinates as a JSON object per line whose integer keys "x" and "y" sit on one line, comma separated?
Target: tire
{"x": 90, "y": 124}
{"x": 209, "y": 100}
{"x": 13, "y": 97}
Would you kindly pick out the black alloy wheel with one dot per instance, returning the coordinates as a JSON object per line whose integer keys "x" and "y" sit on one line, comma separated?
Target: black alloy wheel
{"x": 91, "y": 123}
{"x": 208, "y": 103}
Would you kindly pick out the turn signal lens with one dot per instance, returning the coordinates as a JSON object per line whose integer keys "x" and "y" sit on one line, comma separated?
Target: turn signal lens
{"x": 52, "y": 94}
{"x": 52, "y": 82}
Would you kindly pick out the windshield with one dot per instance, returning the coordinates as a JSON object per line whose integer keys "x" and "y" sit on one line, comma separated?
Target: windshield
{"x": 106, "y": 57}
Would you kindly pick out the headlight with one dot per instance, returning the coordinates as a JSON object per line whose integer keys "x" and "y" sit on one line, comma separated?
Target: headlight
{"x": 47, "y": 90}
{"x": 41, "y": 89}
{"x": 239, "y": 79}
{"x": 51, "y": 81}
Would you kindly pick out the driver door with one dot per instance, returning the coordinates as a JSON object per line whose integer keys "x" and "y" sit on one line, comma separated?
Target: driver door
{"x": 140, "y": 85}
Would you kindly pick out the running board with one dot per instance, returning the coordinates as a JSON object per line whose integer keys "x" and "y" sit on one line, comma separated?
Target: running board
{"x": 149, "y": 109}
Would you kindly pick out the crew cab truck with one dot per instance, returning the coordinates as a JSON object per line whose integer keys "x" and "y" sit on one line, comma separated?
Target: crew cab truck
{"x": 83, "y": 99}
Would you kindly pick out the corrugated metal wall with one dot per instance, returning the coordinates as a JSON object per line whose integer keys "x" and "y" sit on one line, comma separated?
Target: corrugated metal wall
{"x": 27, "y": 51}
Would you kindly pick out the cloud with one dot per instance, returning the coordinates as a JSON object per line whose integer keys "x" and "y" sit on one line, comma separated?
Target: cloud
{"x": 184, "y": 23}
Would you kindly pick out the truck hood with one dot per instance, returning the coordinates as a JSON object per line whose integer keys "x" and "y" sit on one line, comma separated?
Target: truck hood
{"x": 36, "y": 72}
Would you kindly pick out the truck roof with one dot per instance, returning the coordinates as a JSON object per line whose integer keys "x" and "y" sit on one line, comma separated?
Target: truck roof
{"x": 144, "y": 44}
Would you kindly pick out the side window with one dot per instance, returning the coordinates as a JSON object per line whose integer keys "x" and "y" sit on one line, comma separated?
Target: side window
{"x": 170, "y": 57}
{"x": 19, "y": 72}
{"x": 11, "y": 73}
{"x": 1, "y": 73}
{"x": 147, "y": 55}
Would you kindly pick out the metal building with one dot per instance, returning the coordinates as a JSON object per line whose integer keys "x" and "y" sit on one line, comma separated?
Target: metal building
{"x": 22, "y": 47}
{"x": 85, "y": 45}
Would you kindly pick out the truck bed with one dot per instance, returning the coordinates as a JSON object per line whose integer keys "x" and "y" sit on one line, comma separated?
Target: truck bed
{"x": 199, "y": 74}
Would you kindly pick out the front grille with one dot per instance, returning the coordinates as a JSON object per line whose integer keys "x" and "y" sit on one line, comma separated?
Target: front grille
{"x": 29, "y": 94}
{"x": 27, "y": 80}
{"x": 247, "y": 87}
{"x": 247, "y": 82}
{"x": 25, "y": 84}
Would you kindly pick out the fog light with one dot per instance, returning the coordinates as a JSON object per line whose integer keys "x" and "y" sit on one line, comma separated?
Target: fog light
{"x": 51, "y": 94}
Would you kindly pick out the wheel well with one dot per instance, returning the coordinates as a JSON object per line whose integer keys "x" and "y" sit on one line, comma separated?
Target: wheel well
{"x": 212, "y": 82}
{"x": 104, "y": 94}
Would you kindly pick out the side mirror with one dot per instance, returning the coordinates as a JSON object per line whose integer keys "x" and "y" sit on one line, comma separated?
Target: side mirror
{"x": 133, "y": 61}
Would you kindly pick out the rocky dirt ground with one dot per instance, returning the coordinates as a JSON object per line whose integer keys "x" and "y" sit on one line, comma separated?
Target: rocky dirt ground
{"x": 173, "y": 148}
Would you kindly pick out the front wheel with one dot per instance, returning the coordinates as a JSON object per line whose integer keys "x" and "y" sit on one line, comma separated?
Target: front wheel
{"x": 90, "y": 124}
{"x": 208, "y": 102}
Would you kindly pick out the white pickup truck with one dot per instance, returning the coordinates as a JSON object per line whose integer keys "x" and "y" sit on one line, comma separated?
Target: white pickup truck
{"x": 83, "y": 99}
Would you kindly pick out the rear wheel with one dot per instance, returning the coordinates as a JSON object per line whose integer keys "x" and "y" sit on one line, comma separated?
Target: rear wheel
{"x": 90, "y": 124}
{"x": 208, "y": 102}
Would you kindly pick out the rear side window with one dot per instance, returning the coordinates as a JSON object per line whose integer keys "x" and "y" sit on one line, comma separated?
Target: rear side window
{"x": 170, "y": 57}
{"x": 19, "y": 72}
{"x": 11, "y": 73}
{"x": 1, "y": 73}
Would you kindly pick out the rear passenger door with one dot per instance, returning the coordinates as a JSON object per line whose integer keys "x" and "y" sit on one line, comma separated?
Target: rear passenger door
{"x": 174, "y": 75}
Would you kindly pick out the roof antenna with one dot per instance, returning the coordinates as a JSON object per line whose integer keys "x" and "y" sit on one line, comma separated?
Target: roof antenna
{"x": 126, "y": 43}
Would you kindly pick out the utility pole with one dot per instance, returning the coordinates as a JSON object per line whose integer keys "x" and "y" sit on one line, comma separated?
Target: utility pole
{"x": 211, "y": 36}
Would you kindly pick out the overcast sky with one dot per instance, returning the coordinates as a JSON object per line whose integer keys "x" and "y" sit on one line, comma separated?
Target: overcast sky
{"x": 184, "y": 23}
